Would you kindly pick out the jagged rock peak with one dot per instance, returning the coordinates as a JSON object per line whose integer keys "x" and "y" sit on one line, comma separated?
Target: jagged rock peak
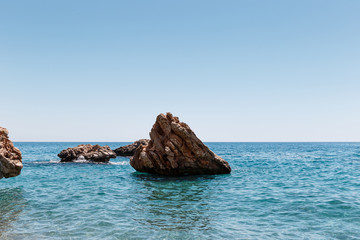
{"x": 174, "y": 149}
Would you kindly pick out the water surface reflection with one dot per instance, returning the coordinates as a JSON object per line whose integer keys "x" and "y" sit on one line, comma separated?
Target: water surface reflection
{"x": 173, "y": 204}
{"x": 11, "y": 205}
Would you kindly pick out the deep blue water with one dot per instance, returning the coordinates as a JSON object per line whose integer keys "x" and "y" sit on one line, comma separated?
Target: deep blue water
{"x": 275, "y": 191}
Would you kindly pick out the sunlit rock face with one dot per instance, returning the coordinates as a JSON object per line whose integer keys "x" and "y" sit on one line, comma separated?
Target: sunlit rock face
{"x": 87, "y": 152}
{"x": 175, "y": 150}
{"x": 10, "y": 156}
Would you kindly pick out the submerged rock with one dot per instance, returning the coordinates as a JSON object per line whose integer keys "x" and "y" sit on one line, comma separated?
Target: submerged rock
{"x": 88, "y": 152}
{"x": 10, "y": 156}
{"x": 129, "y": 150}
{"x": 175, "y": 150}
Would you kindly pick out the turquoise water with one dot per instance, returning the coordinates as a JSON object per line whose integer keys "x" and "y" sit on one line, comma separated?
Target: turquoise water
{"x": 275, "y": 191}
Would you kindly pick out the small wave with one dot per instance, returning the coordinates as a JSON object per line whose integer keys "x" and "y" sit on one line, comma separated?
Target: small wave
{"x": 80, "y": 161}
{"x": 119, "y": 163}
{"x": 44, "y": 162}
{"x": 335, "y": 202}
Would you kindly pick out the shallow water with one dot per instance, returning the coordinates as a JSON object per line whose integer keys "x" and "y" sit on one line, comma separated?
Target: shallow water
{"x": 275, "y": 191}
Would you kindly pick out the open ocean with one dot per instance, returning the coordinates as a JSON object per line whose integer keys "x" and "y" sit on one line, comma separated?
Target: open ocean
{"x": 275, "y": 191}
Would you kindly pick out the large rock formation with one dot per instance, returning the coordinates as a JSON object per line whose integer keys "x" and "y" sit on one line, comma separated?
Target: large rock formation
{"x": 175, "y": 150}
{"x": 129, "y": 150}
{"x": 10, "y": 156}
{"x": 94, "y": 153}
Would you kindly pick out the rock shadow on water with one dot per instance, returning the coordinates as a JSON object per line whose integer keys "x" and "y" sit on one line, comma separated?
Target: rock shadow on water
{"x": 163, "y": 178}
{"x": 177, "y": 205}
{"x": 12, "y": 202}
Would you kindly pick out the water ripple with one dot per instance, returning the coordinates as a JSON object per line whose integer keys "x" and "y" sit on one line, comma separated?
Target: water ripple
{"x": 276, "y": 191}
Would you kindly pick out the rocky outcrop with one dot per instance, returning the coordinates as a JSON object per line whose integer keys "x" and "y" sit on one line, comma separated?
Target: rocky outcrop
{"x": 175, "y": 150}
{"x": 88, "y": 152}
{"x": 129, "y": 150}
{"x": 10, "y": 156}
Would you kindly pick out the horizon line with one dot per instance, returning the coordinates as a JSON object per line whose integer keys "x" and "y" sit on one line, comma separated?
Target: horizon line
{"x": 202, "y": 141}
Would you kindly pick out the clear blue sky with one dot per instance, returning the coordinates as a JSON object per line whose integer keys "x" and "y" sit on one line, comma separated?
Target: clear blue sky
{"x": 233, "y": 70}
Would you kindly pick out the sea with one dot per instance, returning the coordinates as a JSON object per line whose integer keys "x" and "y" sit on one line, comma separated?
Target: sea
{"x": 275, "y": 191}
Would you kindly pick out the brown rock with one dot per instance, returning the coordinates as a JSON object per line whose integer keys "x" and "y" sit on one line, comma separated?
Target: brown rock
{"x": 10, "y": 156}
{"x": 175, "y": 150}
{"x": 94, "y": 153}
{"x": 129, "y": 150}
